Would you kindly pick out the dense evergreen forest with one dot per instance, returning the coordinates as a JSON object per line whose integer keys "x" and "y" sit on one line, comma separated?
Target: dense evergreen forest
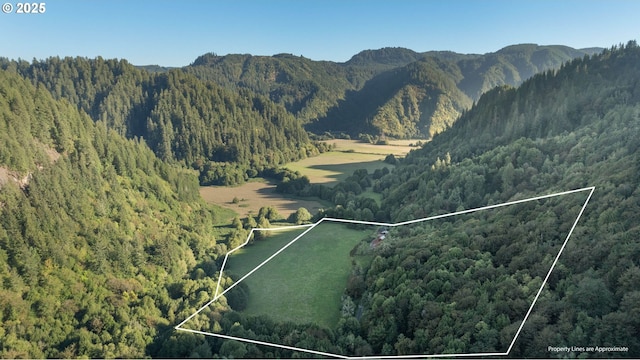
{"x": 102, "y": 244}
{"x": 566, "y": 129}
{"x": 105, "y": 244}
{"x": 228, "y": 136}
{"x": 233, "y": 117}
{"x": 394, "y": 92}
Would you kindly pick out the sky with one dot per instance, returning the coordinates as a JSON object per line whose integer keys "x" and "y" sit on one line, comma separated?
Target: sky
{"x": 176, "y": 32}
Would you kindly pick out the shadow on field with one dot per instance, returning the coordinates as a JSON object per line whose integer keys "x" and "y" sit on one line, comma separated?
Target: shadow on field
{"x": 289, "y": 203}
{"x": 347, "y": 169}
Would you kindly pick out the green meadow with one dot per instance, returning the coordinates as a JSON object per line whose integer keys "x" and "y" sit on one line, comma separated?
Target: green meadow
{"x": 304, "y": 283}
{"x": 348, "y": 155}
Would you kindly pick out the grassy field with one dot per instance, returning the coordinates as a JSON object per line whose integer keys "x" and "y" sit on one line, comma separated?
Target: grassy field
{"x": 349, "y": 155}
{"x": 223, "y": 215}
{"x": 331, "y": 167}
{"x": 305, "y": 282}
{"x": 254, "y": 195}
{"x": 395, "y": 147}
{"x": 327, "y": 168}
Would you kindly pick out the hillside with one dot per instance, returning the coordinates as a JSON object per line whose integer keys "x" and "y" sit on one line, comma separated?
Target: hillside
{"x": 561, "y": 130}
{"x": 512, "y": 65}
{"x": 416, "y": 100}
{"x": 184, "y": 114}
{"x": 227, "y": 135}
{"x": 380, "y": 92}
{"x": 426, "y": 96}
{"x": 103, "y": 246}
{"x": 306, "y": 88}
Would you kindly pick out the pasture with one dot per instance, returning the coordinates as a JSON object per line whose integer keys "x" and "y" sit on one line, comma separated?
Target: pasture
{"x": 349, "y": 155}
{"x": 305, "y": 282}
{"x": 332, "y": 167}
{"x": 395, "y": 147}
{"x": 327, "y": 168}
{"x": 254, "y": 195}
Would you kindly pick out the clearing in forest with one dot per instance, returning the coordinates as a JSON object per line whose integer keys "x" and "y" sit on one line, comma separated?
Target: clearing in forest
{"x": 312, "y": 268}
{"x": 395, "y": 147}
{"x": 327, "y": 168}
{"x": 303, "y": 284}
{"x": 251, "y": 196}
{"x": 349, "y": 155}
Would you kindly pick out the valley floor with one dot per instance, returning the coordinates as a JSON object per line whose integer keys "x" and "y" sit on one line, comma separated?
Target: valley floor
{"x": 306, "y": 281}
{"x": 253, "y": 195}
{"x": 327, "y": 168}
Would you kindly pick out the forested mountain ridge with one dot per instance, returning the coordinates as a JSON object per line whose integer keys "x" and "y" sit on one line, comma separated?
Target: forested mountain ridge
{"x": 328, "y": 96}
{"x": 549, "y": 104}
{"x": 416, "y": 100}
{"x": 385, "y": 58}
{"x": 185, "y": 114}
{"x": 560, "y": 130}
{"x": 305, "y": 87}
{"x": 103, "y": 249}
{"x": 227, "y": 135}
{"x": 512, "y": 65}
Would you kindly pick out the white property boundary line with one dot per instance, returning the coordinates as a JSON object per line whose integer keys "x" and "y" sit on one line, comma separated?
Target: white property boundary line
{"x": 311, "y": 226}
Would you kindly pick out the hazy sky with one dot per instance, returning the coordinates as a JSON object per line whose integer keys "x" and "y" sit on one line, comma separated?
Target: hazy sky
{"x": 174, "y": 33}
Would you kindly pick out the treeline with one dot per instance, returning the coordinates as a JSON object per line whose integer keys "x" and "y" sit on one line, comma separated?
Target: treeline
{"x": 103, "y": 246}
{"x": 228, "y": 136}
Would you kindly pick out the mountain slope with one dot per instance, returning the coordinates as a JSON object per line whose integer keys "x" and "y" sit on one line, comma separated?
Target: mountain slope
{"x": 305, "y": 87}
{"x": 375, "y": 92}
{"x": 434, "y": 99}
{"x": 512, "y": 65}
{"x": 99, "y": 243}
{"x": 559, "y": 131}
{"x": 181, "y": 117}
{"x": 410, "y": 101}
{"x": 384, "y": 59}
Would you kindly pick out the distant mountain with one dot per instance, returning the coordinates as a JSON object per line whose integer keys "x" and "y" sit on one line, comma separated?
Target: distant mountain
{"x": 386, "y": 58}
{"x": 230, "y": 117}
{"x": 305, "y": 87}
{"x": 512, "y": 65}
{"x": 372, "y": 93}
{"x": 586, "y": 98}
{"x": 415, "y": 100}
